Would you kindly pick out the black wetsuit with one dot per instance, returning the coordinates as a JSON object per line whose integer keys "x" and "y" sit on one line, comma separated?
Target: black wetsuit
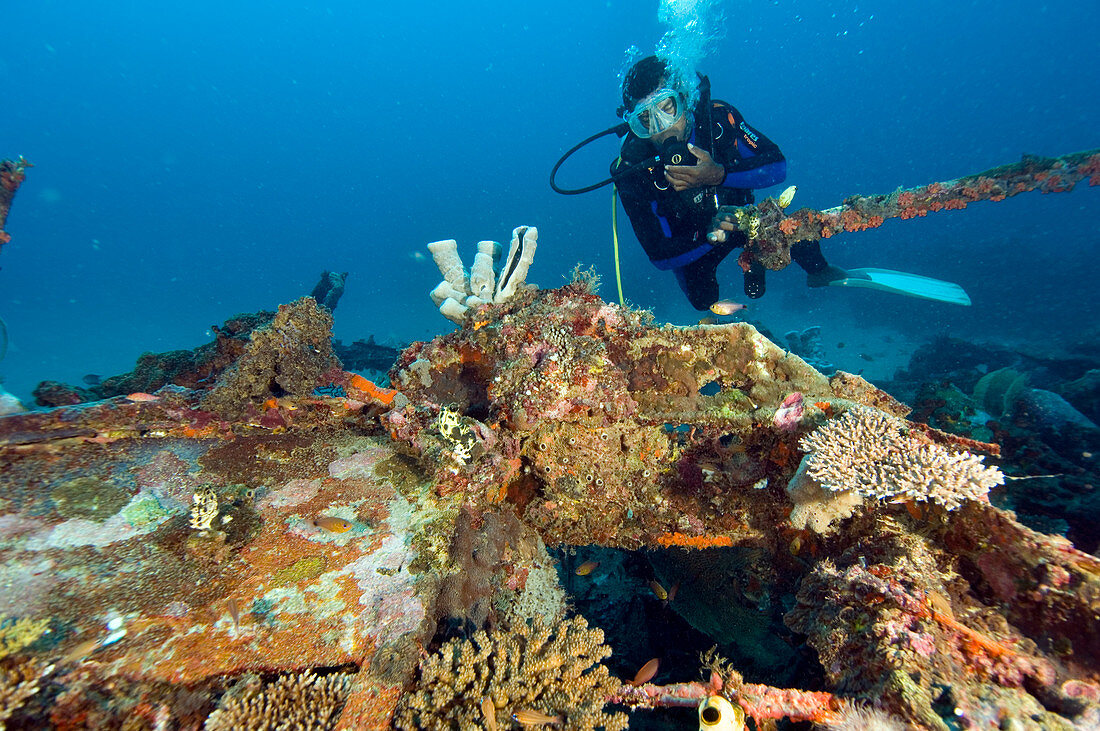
{"x": 673, "y": 226}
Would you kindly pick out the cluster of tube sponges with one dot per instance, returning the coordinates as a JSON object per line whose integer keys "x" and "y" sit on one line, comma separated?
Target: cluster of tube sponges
{"x": 460, "y": 291}
{"x": 482, "y": 682}
{"x": 870, "y": 453}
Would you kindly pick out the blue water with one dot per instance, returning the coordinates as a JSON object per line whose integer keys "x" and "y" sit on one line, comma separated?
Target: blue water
{"x": 195, "y": 160}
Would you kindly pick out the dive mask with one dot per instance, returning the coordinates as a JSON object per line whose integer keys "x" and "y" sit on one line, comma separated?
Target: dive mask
{"x": 656, "y": 112}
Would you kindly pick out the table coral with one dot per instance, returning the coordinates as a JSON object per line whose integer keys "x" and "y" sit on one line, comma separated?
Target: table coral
{"x": 869, "y": 453}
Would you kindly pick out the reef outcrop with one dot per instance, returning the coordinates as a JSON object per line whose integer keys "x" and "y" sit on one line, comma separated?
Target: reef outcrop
{"x": 192, "y": 551}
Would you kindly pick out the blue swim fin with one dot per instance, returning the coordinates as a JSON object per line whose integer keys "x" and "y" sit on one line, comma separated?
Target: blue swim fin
{"x": 910, "y": 285}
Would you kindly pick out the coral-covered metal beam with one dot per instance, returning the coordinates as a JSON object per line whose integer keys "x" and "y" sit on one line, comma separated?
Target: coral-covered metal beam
{"x": 758, "y": 701}
{"x": 771, "y": 231}
{"x": 12, "y": 173}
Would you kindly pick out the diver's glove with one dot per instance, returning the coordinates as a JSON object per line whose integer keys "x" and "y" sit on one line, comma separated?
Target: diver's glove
{"x": 731, "y": 220}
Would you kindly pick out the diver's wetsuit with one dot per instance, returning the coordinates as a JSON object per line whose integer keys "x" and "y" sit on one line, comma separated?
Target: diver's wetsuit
{"x": 673, "y": 227}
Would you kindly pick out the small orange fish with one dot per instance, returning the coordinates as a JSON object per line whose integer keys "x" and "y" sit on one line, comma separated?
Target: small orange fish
{"x": 78, "y": 653}
{"x": 659, "y": 590}
{"x": 672, "y": 592}
{"x": 646, "y": 672}
{"x": 528, "y": 717}
{"x": 332, "y": 524}
{"x": 941, "y": 603}
{"x": 138, "y": 396}
{"x": 490, "y": 712}
{"x": 586, "y": 568}
{"x": 235, "y": 614}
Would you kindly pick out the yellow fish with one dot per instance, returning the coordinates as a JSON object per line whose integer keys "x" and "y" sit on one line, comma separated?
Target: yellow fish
{"x": 81, "y": 651}
{"x": 587, "y": 567}
{"x": 534, "y": 718}
{"x": 489, "y": 710}
{"x": 726, "y": 307}
{"x": 786, "y": 196}
{"x": 332, "y": 524}
{"x": 658, "y": 590}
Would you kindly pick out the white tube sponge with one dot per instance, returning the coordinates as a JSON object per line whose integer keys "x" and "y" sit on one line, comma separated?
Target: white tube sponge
{"x": 454, "y": 311}
{"x": 482, "y": 277}
{"x": 446, "y": 258}
{"x": 444, "y": 290}
{"x": 520, "y": 255}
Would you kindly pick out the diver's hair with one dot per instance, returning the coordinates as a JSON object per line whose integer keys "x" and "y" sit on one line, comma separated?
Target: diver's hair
{"x": 643, "y": 78}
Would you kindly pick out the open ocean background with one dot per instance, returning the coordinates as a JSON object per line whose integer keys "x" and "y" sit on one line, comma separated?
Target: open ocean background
{"x": 196, "y": 160}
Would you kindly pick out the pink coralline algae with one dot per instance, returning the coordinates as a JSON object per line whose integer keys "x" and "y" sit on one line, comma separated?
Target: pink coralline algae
{"x": 789, "y": 413}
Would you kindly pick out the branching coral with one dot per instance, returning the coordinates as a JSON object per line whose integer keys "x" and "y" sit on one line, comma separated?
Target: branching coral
{"x": 300, "y": 701}
{"x": 15, "y": 634}
{"x": 869, "y": 452}
{"x": 17, "y": 684}
{"x": 480, "y": 683}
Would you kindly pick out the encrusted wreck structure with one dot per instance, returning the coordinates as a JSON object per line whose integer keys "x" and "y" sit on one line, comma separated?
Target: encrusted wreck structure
{"x": 249, "y": 536}
{"x": 772, "y": 231}
{"x": 247, "y": 551}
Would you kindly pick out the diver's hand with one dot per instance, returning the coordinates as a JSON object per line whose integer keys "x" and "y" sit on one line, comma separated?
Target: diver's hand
{"x": 722, "y": 225}
{"x": 704, "y": 172}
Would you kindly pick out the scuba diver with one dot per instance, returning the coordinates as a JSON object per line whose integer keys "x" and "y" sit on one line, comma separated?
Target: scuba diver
{"x": 710, "y": 157}
{"x": 682, "y": 167}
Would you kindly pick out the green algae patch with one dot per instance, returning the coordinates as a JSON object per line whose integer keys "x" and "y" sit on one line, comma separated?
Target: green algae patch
{"x": 145, "y": 512}
{"x": 402, "y": 473}
{"x": 89, "y": 498}
{"x": 309, "y": 567}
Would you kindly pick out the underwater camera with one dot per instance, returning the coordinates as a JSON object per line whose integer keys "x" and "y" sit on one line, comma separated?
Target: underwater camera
{"x": 675, "y": 152}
